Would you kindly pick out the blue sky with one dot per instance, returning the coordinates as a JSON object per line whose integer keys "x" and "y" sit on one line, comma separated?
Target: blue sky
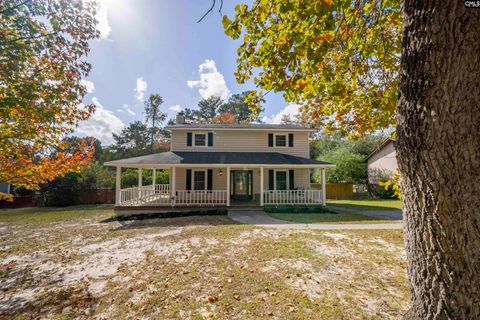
{"x": 156, "y": 46}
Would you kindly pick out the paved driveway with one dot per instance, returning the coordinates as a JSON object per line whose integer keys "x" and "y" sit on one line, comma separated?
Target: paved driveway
{"x": 392, "y": 214}
{"x": 261, "y": 219}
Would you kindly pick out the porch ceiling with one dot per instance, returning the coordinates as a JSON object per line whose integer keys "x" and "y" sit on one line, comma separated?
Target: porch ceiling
{"x": 218, "y": 159}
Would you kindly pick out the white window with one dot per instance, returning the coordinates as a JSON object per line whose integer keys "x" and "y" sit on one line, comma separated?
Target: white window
{"x": 280, "y": 140}
{"x": 199, "y": 180}
{"x": 200, "y": 140}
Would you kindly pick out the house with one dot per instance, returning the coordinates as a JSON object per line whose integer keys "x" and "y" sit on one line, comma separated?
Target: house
{"x": 382, "y": 162}
{"x": 225, "y": 165}
{"x": 4, "y": 188}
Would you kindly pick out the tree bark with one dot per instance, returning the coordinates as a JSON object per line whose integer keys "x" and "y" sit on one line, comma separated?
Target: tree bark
{"x": 438, "y": 150}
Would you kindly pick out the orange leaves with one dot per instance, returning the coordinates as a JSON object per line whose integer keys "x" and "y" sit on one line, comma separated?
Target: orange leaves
{"x": 224, "y": 117}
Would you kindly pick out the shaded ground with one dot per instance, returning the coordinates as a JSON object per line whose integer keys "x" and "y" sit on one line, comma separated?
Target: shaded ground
{"x": 375, "y": 209}
{"x": 66, "y": 264}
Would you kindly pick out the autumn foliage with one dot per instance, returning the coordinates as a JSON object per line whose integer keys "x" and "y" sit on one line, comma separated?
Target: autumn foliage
{"x": 43, "y": 45}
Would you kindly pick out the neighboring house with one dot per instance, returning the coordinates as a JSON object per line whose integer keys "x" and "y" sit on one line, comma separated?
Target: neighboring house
{"x": 4, "y": 188}
{"x": 382, "y": 163}
{"x": 227, "y": 164}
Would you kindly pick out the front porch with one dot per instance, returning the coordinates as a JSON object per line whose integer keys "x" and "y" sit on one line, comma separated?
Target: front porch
{"x": 222, "y": 187}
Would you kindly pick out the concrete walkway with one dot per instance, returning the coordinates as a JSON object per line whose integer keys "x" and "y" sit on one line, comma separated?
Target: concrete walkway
{"x": 392, "y": 214}
{"x": 261, "y": 219}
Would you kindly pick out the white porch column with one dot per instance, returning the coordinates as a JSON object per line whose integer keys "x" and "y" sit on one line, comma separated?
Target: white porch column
{"x": 324, "y": 189}
{"x": 261, "y": 186}
{"x": 228, "y": 186}
{"x": 118, "y": 186}
{"x": 154, "y": 178}
{"x": 139, "y": 181}
{"x": 173, "y": 189}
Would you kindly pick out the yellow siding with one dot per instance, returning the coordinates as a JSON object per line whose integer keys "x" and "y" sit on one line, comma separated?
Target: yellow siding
{"x": 243, "y": 141}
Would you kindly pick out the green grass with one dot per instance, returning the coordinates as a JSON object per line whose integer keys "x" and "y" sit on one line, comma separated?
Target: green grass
{"x": 379, "y": 204}
{"x": 49, "y": 214}
{"x": 341, "y": 217}
{"x": 296, "y": 209}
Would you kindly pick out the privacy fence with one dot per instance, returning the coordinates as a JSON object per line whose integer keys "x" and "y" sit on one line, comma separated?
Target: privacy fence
{"x": 336, "y": 191}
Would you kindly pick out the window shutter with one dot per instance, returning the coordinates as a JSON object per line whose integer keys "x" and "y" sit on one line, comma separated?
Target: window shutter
{"x": 270, "y": 139}
{"x": 209, "y": 179}
{"x": 291, "y": 179}
{"x": 270, "y": 180}
{"x": 290, "y": 140}
{"x": 188, "y": 184}
{"x": 210, "y": 139}
{"x": 189, "y": 139}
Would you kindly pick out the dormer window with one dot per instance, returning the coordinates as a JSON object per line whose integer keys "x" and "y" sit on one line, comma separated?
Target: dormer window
{"x": 280, "y": 140}
{"x": 200, "y": 140}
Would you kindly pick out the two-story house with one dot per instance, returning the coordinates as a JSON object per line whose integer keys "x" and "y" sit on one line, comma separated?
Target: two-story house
{"x": 224, "y": 165}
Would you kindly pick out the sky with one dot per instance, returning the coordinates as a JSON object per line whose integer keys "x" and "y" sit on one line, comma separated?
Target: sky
{"x": 157, "y": 46}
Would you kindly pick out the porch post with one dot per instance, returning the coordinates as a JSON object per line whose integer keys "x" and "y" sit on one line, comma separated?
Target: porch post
{"x": 173, "y": 190}
{"x": 154, "y": 177}
{"x": 139, "y": 181}
{"x": 324, "y": 191}
{"x": 228, "y": 186}
{"x": 118, "y": 187}
{"x": 261, "y": 186}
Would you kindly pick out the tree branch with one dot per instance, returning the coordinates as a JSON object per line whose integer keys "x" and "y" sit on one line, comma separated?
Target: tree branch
{"x": 211, "y": 9}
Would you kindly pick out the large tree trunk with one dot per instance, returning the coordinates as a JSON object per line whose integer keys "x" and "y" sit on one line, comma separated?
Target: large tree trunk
{"x": 438, "y": 150}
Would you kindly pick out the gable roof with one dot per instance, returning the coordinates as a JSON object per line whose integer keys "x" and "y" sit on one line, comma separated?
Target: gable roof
{"x": 217, "y": 158}
{"x": 228, "y": 126}
{"x": 380, "y": 147}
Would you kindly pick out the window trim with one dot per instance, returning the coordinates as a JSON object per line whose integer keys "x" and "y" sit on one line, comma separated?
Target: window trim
{"x": 275, "y": 140}
{"x": 205, "y": 186}
{"x": 287, "y": 176}
{"x": 199, "y": 133}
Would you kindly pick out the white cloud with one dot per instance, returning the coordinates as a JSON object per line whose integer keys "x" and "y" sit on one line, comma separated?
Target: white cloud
{"x": 89, "y": 85}
{"x": 102, "y": 16}
{"x": 140, "y": 88}
{"x": 211, "y": 82}
{"x": 176, "y": 108}
{"x": 101, "y": 124}
{"x": 127, "y": 109}
{"x": 291, "y": 109}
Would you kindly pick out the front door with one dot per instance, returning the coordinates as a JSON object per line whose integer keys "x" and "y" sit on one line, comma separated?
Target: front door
{"x": 241, "y": 184}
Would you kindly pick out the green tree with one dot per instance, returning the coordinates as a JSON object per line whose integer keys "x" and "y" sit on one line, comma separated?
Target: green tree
{"x": 132, "y": 141}
{"x": 350, "y": 166}
{"x": 208, "y": 109}
{"x": 154, "y": 118}
{"x": 238, "y": 107}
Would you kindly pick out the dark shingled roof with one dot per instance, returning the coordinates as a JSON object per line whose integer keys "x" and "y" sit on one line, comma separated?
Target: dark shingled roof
{"x": 254, "y": 126}
{"x": 178, "y": 157}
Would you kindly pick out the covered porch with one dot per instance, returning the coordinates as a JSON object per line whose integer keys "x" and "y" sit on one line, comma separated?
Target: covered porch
{"x": 221, "y": 180}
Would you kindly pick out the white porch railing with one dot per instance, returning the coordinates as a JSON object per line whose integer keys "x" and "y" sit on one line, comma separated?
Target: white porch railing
{"x": 145, "y": 195}
{"x": 160, "y": 195}
{"x": 201, "y": 197}
{"x": 308, "y": 196}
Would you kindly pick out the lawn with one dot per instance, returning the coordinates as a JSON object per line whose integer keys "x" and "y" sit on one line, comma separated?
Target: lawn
{"x": 340, "y": 217}
{"x": 70, "y": 263}
{"x": 374, "y": 204}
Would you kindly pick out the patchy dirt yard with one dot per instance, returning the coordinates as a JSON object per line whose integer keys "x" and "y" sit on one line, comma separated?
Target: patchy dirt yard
{"x": 72, "y": 264}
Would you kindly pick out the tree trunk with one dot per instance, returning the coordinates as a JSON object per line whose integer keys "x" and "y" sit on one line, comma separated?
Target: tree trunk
{"x": 438, "y": 150}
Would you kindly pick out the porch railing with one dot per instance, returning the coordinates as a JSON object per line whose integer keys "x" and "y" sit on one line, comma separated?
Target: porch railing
{"x": 307, "y": 196}
{"x": 201, "y": 197}
{"x": 145, "y": 195}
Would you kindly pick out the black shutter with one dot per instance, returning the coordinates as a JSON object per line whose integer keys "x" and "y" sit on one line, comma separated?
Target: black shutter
{"x": 189, "y": 139}
{"x": 270, "y": 180}
{"x": 270, "y": 139}
{"x": 290, "y": 139}
{"x": 188, "y": 184}
{"x": 209, "y": 179}
{"x": 210, "y": 139}
{"x": 291, "y": 179}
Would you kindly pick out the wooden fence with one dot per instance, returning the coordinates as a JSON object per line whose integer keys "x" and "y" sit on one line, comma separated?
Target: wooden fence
{"x": 336, "y": 191}
{"x": 97, "y": 196}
